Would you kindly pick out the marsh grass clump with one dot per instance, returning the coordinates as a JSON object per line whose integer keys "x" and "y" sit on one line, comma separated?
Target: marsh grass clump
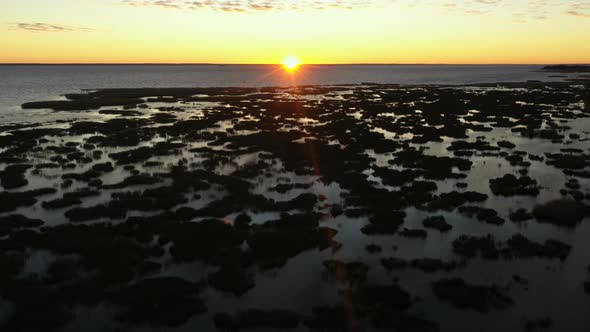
{"x": 36, "y": 308}
{"x": 242, "y": 221}
{"x": 506, "y": 144}
{"x": 373, "y": 248}
{"x": 515, "y": 247}
{"x": 80, "y": 105}
{"x": 13, "y": 176}
{"x": 278, "y": 245}
{"x": 257, "y": 319}
{"x": 471, "y": 246}
{"x": 161, "y": 198}
{"x": 10, "y": 266}
{"x": 70, "y": 199}
{"x": 134, "y": 180}
{"x": 562, "y": 212}
{"x": 13, "y": 200}
{"x": 232, "y": 279}
{"x": 425, "y": 264}
{"x": 486, "y": 215}
{"x": 413, "y": 233}
{"x": 437, "y": 222}
{"x": 451, "y": 200}
{"x": 160, "y": 302}
{"x": 370, "y": 300}
{"x": 61, "y": 203}
{"x": 538, "y": 324}
{"x": 211, "y": 241}
{"x": 110, "y": 211}
{"x": 520, "y": 215}
{"x": 327, "y": 318}
{"x": 19, "y": 221}
{"x": 510, "y": 185}
{"x": 568, "y": 161}
{"x": 470, "y": 296}
{"x": 520, "y": 246}
{"x": 384, "y": 223}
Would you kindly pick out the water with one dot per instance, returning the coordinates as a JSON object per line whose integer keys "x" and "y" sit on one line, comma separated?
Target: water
{"x": 555, "y": 287}
{"x": 24, "y": 83}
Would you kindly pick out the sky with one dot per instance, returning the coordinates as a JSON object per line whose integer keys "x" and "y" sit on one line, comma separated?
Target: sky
{"x": 316, "y": 31}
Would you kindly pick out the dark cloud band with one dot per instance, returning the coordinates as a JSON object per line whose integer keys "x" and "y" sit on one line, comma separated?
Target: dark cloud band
{"x": 44, "y": 27}
{"x": 252, "y": 5}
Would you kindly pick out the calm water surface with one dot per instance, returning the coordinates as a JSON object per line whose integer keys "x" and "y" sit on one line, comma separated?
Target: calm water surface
{"x": 24, "y": 83}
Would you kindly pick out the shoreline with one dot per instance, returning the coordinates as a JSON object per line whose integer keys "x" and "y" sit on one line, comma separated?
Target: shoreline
{"x": 279, "y": 64}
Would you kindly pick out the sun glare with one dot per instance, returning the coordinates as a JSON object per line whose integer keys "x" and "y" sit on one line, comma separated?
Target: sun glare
{"x": 291, "y": 63}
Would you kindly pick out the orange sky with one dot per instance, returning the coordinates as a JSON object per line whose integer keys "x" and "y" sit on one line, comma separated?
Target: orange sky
{"x": 317, "y": 31}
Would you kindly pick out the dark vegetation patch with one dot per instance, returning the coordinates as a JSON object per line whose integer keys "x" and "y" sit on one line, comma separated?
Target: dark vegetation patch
{"x": 450, "y": 201}
{"x": 13, "y": 200}
{"x": 384, "y": 223}
{"x": 510, "y": 185}
{"x": 538, "y": 324}
{"x": 79, "y": 105}
{"x": 486, "y": 215}
{"x": 517, "y": 246}
{"x": 568, "y": 161}
{"x": 109, "y": 211}
{"x": 471, "y": 296}
{"x": 427, "y": 265}
{"x": 13, "y": 176}
{"x": 562, "y": 212}
{"x": 272, "y": 247}
{"x": 373, "y": 248}
{"x": 437, "y": 222}
{"x": 257, "y": 319}
{"x": 161, "y": 302}
{"x": 134, "y": 180}
{"x": 144, "y": 153}
{"x": 232, "y": 279}
{"x": 196, "y": 158}
{"x": 520, "y": 215}
{"x": 120, "y": 112}
{"x": 69, "y": 199}
{"x": 17, "y": 221}
{"x": 413, "y": 233}
{"x": 506, "y": 144}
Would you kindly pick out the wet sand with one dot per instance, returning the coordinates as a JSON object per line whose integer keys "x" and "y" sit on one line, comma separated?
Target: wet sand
{"x": 339, "y": 208}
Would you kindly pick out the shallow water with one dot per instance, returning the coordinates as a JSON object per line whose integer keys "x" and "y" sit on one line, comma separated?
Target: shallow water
{"x": 554, "y": 288}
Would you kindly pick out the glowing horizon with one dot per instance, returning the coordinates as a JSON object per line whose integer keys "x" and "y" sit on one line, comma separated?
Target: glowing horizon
{"x": 319, "y": 31}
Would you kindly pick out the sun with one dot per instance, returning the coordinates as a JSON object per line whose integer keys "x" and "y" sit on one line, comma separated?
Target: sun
{"x": 291, "y": 63}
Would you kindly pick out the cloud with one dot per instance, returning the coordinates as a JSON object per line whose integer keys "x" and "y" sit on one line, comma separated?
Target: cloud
{"x": 519, "y": 10}
{"x": 44, "y": 27}
{"x": 580, "y": 9}
{"x": 252, "y": 5}
{"x": 577, "y": 13}
{"x": 516, "y": 10}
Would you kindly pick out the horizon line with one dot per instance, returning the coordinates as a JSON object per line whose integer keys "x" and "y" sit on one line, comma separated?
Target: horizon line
{"x": 268, "y": 64}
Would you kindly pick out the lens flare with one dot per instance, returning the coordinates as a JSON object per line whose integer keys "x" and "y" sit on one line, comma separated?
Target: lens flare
{"x": 291, "y": 63}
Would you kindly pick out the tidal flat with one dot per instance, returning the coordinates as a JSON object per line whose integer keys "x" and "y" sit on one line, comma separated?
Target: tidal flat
{"x": 311, "y": 208}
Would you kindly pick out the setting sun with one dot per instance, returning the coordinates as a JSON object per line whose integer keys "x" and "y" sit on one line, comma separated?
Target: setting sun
{"x": 291, "y": 63}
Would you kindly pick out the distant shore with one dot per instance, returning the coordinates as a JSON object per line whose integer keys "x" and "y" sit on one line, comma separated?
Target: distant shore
{"x": 545, "y": 66}
{"x": 568, "y": 68}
